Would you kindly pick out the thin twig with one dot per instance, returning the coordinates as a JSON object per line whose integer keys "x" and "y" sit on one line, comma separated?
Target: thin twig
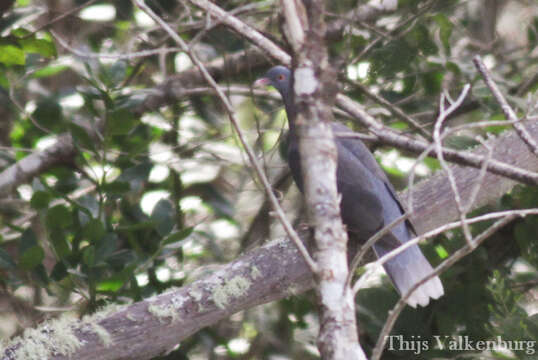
{"x": 394, "y": 32}
{"x": 458, "y": 255}
{"x": 443, "y": 114}
{"x": 461, "y": 157}
{"x": 368, "y": 244}
{"x": 451, "y": 226}
{"x": 229, "y": 109}
{"x": 245, "y": 30}
{"x": 393, "y": 109}
{"x": 356, "y": 111}
{"x": 506, "y": 108}
{"x": 448, "y": 132}
{"x": 118, "y": 56}
{"x": 61, "y": 17}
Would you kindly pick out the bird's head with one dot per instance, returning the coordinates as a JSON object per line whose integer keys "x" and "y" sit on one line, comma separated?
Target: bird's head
{"x": 279, "y": 77}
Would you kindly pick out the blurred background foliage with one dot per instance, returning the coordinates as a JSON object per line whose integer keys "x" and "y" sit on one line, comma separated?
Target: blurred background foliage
{"x": 156, "y": 199}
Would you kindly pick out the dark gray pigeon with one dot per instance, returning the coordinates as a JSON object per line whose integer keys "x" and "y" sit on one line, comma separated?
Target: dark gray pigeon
{"x": 369, "y": 200}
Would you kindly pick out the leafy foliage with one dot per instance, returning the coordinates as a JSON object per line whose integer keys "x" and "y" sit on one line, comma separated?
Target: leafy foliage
{"x": 155, "y": 195}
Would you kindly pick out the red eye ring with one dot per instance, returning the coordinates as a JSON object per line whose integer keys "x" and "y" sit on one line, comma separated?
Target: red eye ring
{"x": 281, "y": 77}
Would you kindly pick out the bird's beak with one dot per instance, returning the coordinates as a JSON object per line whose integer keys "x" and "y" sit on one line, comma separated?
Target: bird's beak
{"x": 261, "y": 82}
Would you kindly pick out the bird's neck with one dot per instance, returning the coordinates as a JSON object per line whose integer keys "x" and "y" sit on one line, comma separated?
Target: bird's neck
{"x": 290, "y": 111}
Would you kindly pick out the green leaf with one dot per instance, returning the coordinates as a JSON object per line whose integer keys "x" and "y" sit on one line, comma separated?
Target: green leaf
{"x": 116, "y": 187}
{"x": 48, "y": 113}
{"x": 441, "y": 251}
{"x": 31, "y": 257}
{"x": 117, "y": 72}
{"x": 40, "y": 200}
{"x": 178, "y": 236}
{"x": 453, "y": 67}
{"x": 112, "y": 284}
{"x": 4, "y": 81}
{"x": 80, "y": 135}
{"x": 58, "y": 217}
{"x": 136, "y": 175}
{"x": 94, "y": 230}
{"x": 20, "y": 32}
{"x": 432, "y": 164}
{"x": 59, "y": 271}
{"x": 432, "y": 81}
{"x": 525, "y": 235}
{"x": 144, "y": 225}
{"x": 88, "y": 255}
{"x": 163, "y": 215}
{"x": 60, "y": 243}
{"x": 42, "y": 47}
{"x": 27, "y": 240}
{"x": 131, "y": 100}
{"x": 121, "y": 258}
{"x": 48, "y": 71}
{"x": 393, "y": 57}
{"x": 6, "y": 262}
{"x": 12, "y": 55}
{"x": 120, "y": 122}
{"x": 40, "y": 274}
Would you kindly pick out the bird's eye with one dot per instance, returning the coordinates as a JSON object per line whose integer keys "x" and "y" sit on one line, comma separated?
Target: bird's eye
{"x": 281, "y": 77}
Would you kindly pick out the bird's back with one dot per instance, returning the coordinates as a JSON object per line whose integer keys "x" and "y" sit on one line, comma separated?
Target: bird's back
{"x": 369, "y": 202}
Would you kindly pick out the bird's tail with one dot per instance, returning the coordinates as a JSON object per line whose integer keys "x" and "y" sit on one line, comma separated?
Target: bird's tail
{"x": 407, "y": 269}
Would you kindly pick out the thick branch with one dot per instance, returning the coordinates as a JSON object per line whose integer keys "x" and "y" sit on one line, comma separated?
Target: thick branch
{"x": 153, "y": 326}
{"x": 507, "y": 148}
{"x": 63, "y": 152}
{"x": 314, "y": 91}
{"x": 266, "y": 274}
{"x": 358, "y": 112}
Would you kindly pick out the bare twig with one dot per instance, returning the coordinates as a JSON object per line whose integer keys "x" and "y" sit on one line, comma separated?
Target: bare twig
{"x": 245, "y": 30}
{"x": 61, "y": 17}
{"x": 450, "y": 226}
{"x": 443, "y": 114}
{"x": 356, "y": 111}
{"x": 455, "y": 257}
{"x": 368, "y": 244}
{"x": 118, "y": 56}
{"x": 394, "y": 110}
{"x": 229, "y": 109}
{"x": 462, "y": 157}
{"x": 396, "y": 31}
{"x": 506, "y": 108}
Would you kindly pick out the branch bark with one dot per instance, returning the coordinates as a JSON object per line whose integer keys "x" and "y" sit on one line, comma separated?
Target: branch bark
{"x": 314, "y": 91}
{"x": 63, "y": 152}
{"x": 269, "y": 273}
{"x": 358, "y": 112}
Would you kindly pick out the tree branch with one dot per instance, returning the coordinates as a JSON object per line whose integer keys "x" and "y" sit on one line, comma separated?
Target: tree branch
{"x": 269, "y": 273}
{"x": 358, "y": 112}
{"x": 509, "y": 113}
{"x": 63, "y": 152}
{"x": 314, "y": 90}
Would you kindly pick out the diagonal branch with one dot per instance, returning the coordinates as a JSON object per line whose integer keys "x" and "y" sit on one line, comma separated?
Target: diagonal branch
{"x": 506, "y": 108}
{"x": 314, "y": 90}
{"x": 62, "y": 152}
{"x": 252, "y": 157}
{"x": 147, "y": 328}
{"x": 358, "y": 112}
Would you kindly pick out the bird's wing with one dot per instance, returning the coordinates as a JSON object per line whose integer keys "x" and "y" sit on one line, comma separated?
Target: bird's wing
{"x": 363, "y": 154}
{"x": 361, "y": 208}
